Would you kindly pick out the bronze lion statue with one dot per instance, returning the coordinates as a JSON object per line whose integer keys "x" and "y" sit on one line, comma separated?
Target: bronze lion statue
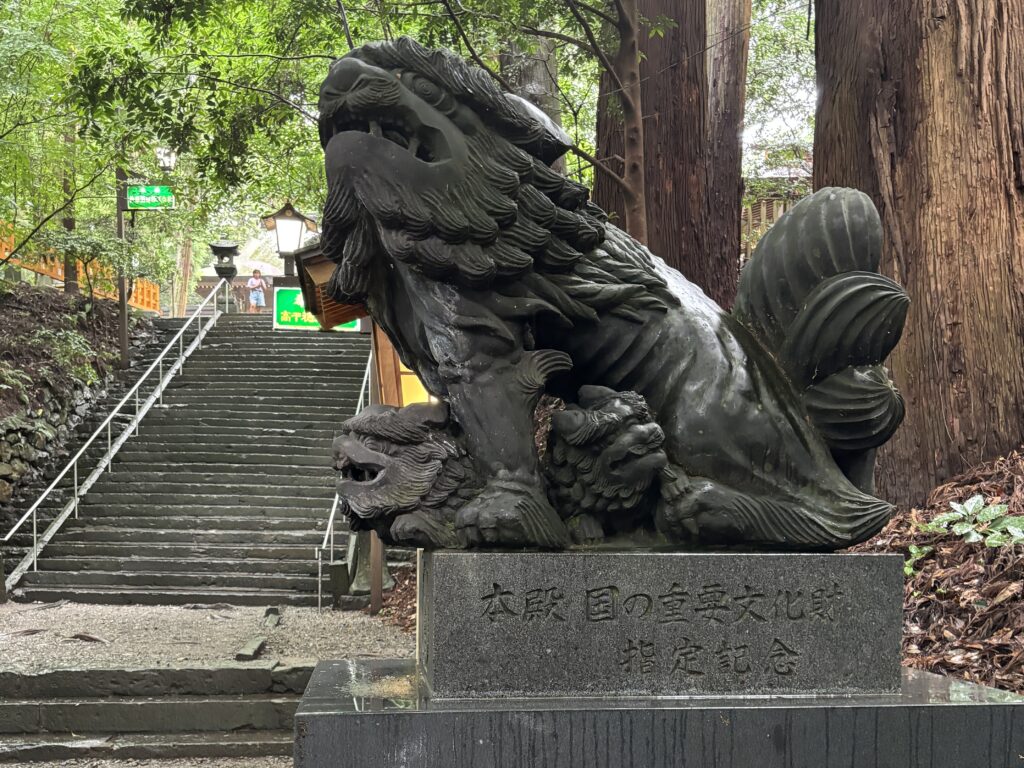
{"x": 498, "y": 280}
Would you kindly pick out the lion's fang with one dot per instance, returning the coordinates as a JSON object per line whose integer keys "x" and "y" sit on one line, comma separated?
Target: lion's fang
{"x": 375, "y": 128}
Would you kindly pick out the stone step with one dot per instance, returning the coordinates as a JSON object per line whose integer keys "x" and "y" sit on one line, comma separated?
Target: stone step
{"x": 89, "y": 510}
{"x": 233, "y": 434}
{"x": 252, "y": 349}
{"x": 163, "y": 565}
{"x": 72, "y": 580}
{"x": 397, "y": 558}
{"x": 21, "y": 749}
{"x": 310, "y": 426}
{"x": 342, "y": 388}
{"x": 311, "y": 522}
{"x": 227, "y": 679}
{"x": 257, "y": 475}
{"x": 161, "y": 714}
{"x": 271, "y": 443}
{"x": 254, "y": 409}
{"x": 173, "y": 455}
{"x": 118, "y": 533}
{"x": 177, "y": 596}
{"x": 140, "y": 496}
{"x": 183, "y": 551}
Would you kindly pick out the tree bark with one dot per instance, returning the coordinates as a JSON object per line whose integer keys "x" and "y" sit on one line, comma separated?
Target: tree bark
{"x": 728, "y": 42}
{"x": 920, "y": 105}
{"x": 627, "y": 68}
{"x": 68, "y": 221}
{"x": 692, "y": 89}
{"x": 533, "y": 74}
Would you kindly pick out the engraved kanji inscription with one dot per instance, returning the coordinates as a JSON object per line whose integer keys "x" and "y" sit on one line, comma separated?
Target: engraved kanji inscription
{"x": 600, "y": 604}
{"x": 543, "y": 604}
{"x": 686, "y": 658}
{"x": 782, "y": 659}
{"x": 712, "y": 603}
{"x": 496, "y": 604}
{"x": 638, "y": 656}
{"x": 673, "y": 604}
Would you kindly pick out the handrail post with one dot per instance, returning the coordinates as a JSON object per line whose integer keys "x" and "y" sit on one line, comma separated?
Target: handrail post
{"x": 319, "y": 581}
{"x": 30, "y": 560}
{"x": 160, "y": 381}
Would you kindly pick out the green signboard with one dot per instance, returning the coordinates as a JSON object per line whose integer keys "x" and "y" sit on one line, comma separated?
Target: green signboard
{"x": 143, "y": 197}
{"x": 290, "y": 312}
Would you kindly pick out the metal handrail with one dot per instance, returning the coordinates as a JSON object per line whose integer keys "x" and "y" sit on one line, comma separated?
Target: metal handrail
{"x": 113, "y": 446}
{"x": 328, "y": 542}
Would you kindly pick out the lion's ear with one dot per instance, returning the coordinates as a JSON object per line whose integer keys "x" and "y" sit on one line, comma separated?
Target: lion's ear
{"x": 553, "y": 141}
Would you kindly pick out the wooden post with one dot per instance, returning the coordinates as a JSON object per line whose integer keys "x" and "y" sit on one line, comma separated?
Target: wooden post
{"x": 3, "y": 581}
{"x": 122, "y": 282}
{"x": 376, "y": 574}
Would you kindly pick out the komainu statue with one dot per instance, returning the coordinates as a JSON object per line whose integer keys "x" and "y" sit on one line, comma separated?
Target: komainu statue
{"x": 498, "y": 281}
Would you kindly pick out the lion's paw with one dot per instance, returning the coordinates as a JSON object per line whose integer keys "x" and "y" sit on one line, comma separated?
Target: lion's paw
{"x": 511, "y": 512}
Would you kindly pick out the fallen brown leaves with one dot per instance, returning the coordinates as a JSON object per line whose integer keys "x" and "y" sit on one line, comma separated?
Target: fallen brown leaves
{"x": 963, "y": 610}
{"x": 399, "y": 607}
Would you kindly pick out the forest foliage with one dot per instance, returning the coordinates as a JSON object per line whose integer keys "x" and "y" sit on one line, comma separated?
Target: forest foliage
{"x": 90, "y": 85}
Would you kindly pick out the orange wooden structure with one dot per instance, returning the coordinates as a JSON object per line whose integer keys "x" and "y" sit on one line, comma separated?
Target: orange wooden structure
{"x": 145, "y": 295}
{"x": 397, "y": 385}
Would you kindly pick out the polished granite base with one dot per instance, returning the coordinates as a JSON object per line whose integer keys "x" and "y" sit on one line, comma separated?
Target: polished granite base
{"x": 579, "y": 623}
{"x": 377, "y": 713}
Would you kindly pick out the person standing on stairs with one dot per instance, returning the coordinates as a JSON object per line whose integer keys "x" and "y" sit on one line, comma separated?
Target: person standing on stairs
{"x": 257, "y": 287}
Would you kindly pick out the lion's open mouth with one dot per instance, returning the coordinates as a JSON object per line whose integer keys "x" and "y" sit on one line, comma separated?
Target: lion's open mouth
{"x": 357, "y": 472}
{"x": 426, "y": 143}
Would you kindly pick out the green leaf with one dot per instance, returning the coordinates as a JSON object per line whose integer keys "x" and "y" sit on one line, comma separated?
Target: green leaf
{"x": 991, "y": 513}
{"x": 1004, "y": 523}
{"x": 974, "y": 504}
{"x": 996, "y": 540}
{"x": 963, "y": 527}
{"x": 972, "y": 537}
{"x": 942, "y": 521}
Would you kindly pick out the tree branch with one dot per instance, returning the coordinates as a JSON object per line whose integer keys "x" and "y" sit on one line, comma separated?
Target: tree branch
{"x": 472, "y": 51}
{"x": 67, "y": 202}
{"x": 601, "y": 55}
{"x": 603, "y": 15}
{"x": 344, "y": 24}
{"x": 574, "y": 41}
{"x": 598, "y": 165}
{"x": 243, "y": 86}
{"x": 22, "y": 123}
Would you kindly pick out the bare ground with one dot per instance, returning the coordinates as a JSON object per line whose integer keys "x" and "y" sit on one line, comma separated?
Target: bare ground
{"x": 37, "y": 637}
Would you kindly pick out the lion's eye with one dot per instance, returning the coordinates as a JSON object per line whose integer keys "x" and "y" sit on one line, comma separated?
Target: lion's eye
{"x": 430, "y": 92}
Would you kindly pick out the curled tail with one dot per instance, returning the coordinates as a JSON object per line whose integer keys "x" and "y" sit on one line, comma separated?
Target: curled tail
{"x": 812, "y": 295}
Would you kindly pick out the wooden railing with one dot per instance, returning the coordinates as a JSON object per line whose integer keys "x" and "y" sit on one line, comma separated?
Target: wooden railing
{"x": 145, "y": 294}
{"x": 755, "y": 220}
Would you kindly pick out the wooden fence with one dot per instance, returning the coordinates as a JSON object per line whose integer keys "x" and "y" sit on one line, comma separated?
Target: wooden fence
{"x": 145, "y": 294}
{"x": 755, "y": 219}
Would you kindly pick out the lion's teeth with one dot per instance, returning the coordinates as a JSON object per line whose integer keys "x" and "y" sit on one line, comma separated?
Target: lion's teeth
{"x": 414, "y": 144}
{"x": 375, "y": 128}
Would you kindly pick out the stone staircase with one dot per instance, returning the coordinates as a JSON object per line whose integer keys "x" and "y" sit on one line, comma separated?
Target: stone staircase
{"x": 194, "y": 712}
{"x": 224, "y": 493}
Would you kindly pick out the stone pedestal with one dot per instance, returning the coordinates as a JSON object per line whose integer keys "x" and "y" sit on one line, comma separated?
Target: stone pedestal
{"x": 379, "y": 714}
{"x": 652, "y": 660}
{"x": 658, "y": 624}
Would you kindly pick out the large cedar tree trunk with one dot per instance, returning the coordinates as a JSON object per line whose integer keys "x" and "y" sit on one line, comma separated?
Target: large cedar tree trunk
{"x": 533, "y": 74}
{"x": 921, "y": 106}
{"x": 692, "y": 91}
